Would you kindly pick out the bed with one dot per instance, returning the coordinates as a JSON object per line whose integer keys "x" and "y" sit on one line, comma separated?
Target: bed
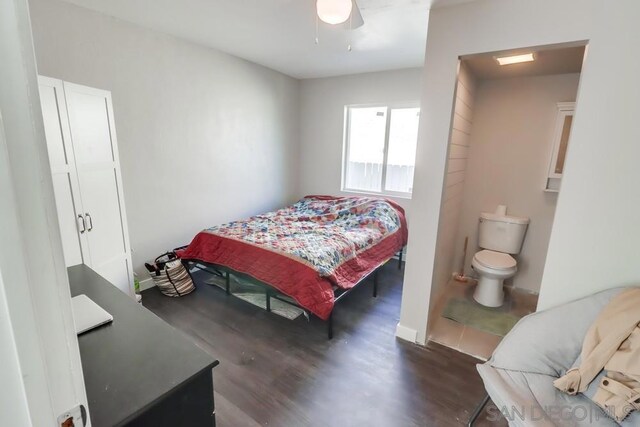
{"x": 314, "y": 251}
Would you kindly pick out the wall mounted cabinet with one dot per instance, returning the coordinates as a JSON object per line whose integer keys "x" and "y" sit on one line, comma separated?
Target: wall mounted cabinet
{"x": 83, "y": 154}
{"x": 561, "y": 136}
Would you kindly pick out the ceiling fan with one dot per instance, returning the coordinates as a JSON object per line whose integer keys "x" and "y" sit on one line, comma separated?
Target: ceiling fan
{"x": 340, "y": 12}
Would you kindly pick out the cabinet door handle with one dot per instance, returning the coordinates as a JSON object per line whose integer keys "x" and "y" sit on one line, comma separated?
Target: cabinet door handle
{"x": 84, "y": 226}
{"x": 90, "y": 221}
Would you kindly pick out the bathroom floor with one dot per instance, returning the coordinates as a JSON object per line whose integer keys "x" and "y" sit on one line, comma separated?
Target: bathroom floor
{"x": 470, "y": 340}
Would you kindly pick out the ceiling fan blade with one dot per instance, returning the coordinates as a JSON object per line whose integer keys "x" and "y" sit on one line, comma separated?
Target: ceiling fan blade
{"x": 356, "y": 17}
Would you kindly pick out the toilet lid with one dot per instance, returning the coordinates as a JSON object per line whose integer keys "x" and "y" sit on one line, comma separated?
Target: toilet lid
{"x": 496, "y": 260}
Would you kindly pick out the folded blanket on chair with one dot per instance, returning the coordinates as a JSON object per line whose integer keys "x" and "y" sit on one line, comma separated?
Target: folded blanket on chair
{"x": 612, "y": 343}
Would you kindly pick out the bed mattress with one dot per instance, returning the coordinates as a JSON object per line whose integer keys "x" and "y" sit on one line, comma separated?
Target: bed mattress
{"x": 306, "y": 249}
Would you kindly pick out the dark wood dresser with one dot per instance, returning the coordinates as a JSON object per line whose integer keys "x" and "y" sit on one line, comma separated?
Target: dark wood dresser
{"x": 138, "y": 370}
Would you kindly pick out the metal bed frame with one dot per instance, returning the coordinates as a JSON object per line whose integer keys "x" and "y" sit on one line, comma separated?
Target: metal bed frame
{"x": 270, "y": 292}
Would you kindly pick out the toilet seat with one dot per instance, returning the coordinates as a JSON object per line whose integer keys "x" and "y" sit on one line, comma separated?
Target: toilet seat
{"x": 495, "y": 260}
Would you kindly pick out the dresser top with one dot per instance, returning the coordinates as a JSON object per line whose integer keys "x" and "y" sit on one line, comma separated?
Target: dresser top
{"x": 135, "y": 360}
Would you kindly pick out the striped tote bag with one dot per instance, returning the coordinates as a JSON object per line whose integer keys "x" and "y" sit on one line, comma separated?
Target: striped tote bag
{"x": 171, "y": 276}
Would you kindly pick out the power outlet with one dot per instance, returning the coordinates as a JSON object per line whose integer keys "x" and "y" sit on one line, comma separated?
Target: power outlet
{"x": 75, "y": 417}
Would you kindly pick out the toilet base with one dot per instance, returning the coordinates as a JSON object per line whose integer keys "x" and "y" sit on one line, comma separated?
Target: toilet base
{"x": 489, "y": 292}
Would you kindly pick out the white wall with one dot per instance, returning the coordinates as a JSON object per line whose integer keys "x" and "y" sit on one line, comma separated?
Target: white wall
{"x": 455, "y": 181}
{"x": 14, "y": 410}
{"x": 594, "y": 242}
{"x": 511, "y": 144}
{"x": 322, "y": 103}
{"x": 204, "y": 137}
{"x": 596, "y": 229}
{"x": 35, "y": 302}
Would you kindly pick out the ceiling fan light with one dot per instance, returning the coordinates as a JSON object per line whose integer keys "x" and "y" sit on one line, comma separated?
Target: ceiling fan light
{"x": 334, "y": 11}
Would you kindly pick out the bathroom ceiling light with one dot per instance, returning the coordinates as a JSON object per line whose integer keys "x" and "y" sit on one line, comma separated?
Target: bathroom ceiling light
{"x": 334, "y": 11}
{"x": 515, "y": 59}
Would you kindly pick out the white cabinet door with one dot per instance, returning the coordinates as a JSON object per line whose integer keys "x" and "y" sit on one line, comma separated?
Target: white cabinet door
{"x": 561, "y": 136}
{"x": 63, "y": 170}
{"x": 96, "y": 155}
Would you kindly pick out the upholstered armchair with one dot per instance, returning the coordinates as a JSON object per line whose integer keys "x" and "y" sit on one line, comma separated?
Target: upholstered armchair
{"x": 540, "y": 348}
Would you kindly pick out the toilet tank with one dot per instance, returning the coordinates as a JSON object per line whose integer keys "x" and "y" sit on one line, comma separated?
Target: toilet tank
{"x": 502, "y": 233}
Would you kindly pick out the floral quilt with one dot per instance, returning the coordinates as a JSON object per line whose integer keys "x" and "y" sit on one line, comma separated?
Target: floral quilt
{"x": 323, "y": 233}
{"x": 307, "y": 249}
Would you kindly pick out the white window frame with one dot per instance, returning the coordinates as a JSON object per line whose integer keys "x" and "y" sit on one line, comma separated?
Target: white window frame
{"x": 345, "y": 147}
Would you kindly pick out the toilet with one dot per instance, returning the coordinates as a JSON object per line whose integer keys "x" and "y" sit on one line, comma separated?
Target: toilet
{"x": 500, "y": 236}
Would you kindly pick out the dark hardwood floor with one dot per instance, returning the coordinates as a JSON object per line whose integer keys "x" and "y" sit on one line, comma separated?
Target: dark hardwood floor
{"x": 277, "y": 372}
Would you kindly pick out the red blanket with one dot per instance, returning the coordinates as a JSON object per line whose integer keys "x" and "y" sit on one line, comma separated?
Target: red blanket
{"x": 305, "y": 249}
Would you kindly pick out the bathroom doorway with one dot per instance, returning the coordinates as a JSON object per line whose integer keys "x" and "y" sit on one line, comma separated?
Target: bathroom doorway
{"x": 510, "y": 131}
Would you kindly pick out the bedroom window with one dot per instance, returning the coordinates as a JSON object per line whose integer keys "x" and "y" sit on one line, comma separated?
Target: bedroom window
{"x": 380, "y": 149}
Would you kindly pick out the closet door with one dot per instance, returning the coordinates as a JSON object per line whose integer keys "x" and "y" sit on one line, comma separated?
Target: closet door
{"x": 97, "y": 163}
{"x": 63, "y": 170}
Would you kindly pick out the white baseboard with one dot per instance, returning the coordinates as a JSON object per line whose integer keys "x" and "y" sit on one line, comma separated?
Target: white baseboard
{"x": 147, "y": 283}
{"x": 406, "y": 334}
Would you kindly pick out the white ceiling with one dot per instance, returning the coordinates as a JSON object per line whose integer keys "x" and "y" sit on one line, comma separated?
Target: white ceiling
{"x": 280, "y": 34}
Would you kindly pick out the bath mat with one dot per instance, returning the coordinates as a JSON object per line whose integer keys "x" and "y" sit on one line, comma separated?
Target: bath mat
{"x": 474, "y": 315}
{"x": 254, "y": 294}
